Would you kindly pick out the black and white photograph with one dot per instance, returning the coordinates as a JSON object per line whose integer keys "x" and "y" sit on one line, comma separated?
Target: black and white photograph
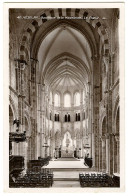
{"x": 64, "y": 97}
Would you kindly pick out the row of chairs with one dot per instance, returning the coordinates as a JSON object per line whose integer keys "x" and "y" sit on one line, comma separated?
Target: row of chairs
{"x": 34, "y": 180}
{"x": 39, "y": 170}
{"x": 96, "y": 180}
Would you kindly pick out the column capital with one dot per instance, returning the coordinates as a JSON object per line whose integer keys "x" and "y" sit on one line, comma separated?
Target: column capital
{"x": 117, "y": 138}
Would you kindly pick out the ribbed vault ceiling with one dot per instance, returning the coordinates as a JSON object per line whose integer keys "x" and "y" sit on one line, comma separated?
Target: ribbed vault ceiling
{"x": 65, "y": 59}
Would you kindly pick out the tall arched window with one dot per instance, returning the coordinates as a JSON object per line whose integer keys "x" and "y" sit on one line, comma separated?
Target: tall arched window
{"x": 67, "y": 100}
{"x": 57, "y": 100}
{"x": 77, "y": 99}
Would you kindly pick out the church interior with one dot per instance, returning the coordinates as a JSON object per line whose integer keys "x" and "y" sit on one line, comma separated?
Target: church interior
{"x": 64, "y": 109}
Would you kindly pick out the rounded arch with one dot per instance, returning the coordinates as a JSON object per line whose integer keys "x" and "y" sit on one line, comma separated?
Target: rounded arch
{"x": 34, "y": 25}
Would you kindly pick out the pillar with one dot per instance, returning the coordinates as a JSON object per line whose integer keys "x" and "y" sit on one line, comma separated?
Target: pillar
{"x": 100, "y": 154}
{"x": 29, "y": 148}
{"x": 103, "y": 154}
{"x": 93, "y": 150}
{"x": 107, "y": 154}
{"x": 111, "y": 153}
{"x": 95, "y": 86}
{"x": 20, "y": 89}
{"x": 42, "y": 140}
{"x": 118, "y": 153}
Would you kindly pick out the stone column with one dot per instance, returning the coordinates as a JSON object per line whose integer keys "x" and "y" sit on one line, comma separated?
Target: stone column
{"x": 107, "y": 62}
{"x": 93, "y": 149}
{"x": 20, "y": 148}
{"x": 39, "y": 111}
{"x": 96, "y": 99}
{"x": 13, "y": 148}
{"x": 111, "y": 154}
{"x": 72, "y": 119}
{"x": 41, "y": 135}
{"x": 53, "y": 138}
{"x": 81, "y": 123}
{"x": 100, "y": 154}
{"x": 20, "y": 66}
{"x": 33, "y": 93}
{"x": 107, "y": 154}
{"x": 16, "y": 149}
{"x": 25, "y": 154}
{"x": 51, "y": 147}
{"x": 62, "y": 119}
{"x": 48, "y": 113}
{"x": 118, "y": 153}
{"x": 103, "y": 154}
{"x": 29, "y": 148}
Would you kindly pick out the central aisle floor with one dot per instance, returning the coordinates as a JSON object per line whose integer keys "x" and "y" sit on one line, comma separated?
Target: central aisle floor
{"x": 66, "y": 171}
{"x": 66, "y": 164}
{"x": 66, "y": 184}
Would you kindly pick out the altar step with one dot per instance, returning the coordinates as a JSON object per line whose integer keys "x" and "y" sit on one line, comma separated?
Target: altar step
{"x": 66, "y": 179}
{"x": 67, "y": 159}
{"x": 68, "y": 166}
{"x": 72, "y": 169}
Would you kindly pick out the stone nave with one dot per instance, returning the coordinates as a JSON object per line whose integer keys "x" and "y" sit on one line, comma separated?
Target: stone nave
{"x": 64, "y": 97}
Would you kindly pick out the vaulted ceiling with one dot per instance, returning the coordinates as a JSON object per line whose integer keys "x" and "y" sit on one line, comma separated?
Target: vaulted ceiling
{"x": 64, "y": 57}
{"x": 63, "y": 48}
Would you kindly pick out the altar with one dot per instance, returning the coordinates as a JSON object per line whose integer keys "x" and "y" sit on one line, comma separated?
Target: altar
{"x": 65, "y": 153}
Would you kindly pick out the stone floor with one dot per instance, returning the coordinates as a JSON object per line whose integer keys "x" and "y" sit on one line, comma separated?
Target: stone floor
{"x": 66, "y": 184}
{"x": 66, "y": 164}
{"x": 66, "y": 171}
